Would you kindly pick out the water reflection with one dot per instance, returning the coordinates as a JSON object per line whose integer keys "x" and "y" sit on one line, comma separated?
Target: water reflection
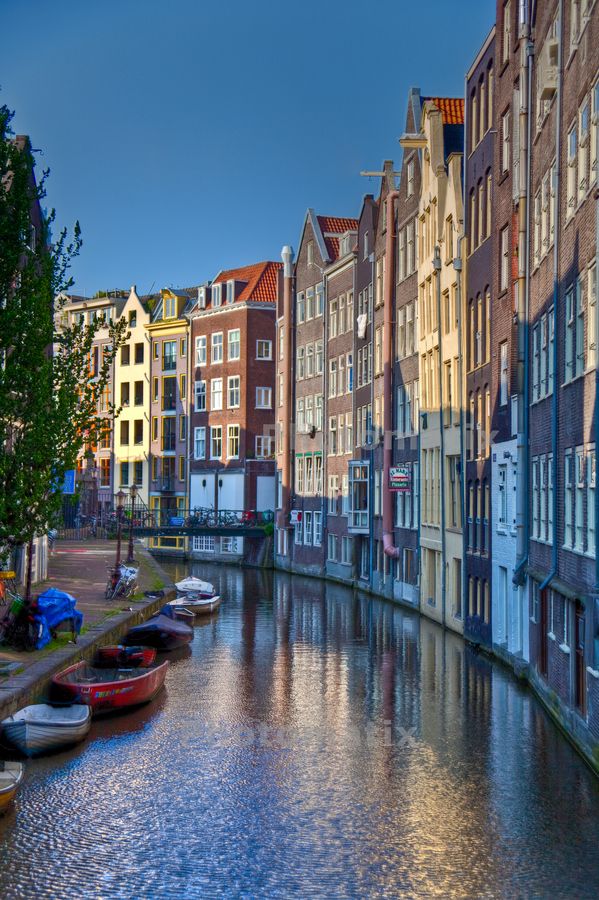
{"x": 316, "y": 743}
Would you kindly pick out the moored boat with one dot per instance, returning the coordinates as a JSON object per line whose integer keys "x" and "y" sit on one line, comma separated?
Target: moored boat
{"x": 109, "y": 690}
{"x": 162, "y": 631}
{"x": 124, "y": 657}
{"x": 11, "y": 775}
{"x": 198, "y": 606}
{"x": 193, "y": 585}
{"x": 42, "y": 728}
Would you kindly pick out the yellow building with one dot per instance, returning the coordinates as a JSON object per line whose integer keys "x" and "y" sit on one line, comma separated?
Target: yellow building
{"x": 440, "y": 223}
{"x": 131, "y": 443}
{"x": 168, "y": 334}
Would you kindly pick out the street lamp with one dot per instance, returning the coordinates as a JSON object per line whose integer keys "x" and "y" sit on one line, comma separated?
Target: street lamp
{"x": 120, "y": 499}
{"x": 133, "y": 493}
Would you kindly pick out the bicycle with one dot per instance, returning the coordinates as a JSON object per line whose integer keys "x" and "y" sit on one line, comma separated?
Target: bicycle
{"x": 122, "y": 582}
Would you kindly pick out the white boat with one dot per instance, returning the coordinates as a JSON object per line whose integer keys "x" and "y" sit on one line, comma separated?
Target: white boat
{"x": 11, "y": 775}
{"x": 197, "y": 605}
{"x": 42, "y": 728}
{"x": 192, "y": 585}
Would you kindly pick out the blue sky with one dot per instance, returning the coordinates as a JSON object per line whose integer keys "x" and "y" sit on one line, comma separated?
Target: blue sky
{"x": 191, "y": 135}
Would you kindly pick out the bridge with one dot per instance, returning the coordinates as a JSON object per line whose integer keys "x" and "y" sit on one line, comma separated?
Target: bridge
{"x": 190, "y": 522}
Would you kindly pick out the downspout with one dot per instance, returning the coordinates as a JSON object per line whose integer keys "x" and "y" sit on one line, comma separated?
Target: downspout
{"x": 457, "y": 264}
{"x": 388, "y": 546}
{"x": 596, "y": 410}
{"x": 369, "y": 422}
{"x": 437, "y": 267}
{"x": 324, "y": 517}
{"x": 522, "y": 498}
{"x": 556, "y": 244}
{"x": 289, "y": 416}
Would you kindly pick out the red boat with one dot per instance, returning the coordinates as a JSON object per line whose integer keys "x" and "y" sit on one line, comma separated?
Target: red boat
{"x": 108, "y": 690}
{"x": 124, "y": 657}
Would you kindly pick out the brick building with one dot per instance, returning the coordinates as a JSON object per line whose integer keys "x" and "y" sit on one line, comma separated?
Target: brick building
{"x": 232, "y": 378}
{"x": 477, "y": 343}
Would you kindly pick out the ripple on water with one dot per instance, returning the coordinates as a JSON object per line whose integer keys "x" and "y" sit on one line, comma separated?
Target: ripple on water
{"x": 315, "y": 744}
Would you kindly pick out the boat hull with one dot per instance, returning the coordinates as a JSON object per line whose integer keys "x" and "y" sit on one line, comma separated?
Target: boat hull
{"x": 160, "y": 632}
{"x": 201, "y": 607}
{"x": 37, "y": 738}
{"x": 11, "y": 775}
{"x": 113, "y": 694}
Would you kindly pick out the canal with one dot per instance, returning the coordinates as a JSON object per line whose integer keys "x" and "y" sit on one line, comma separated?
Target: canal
{"x": 314, "y": 743}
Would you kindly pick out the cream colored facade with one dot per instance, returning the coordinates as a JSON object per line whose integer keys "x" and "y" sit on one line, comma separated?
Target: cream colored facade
{"x": 132, "y": 385}
{"x": 440, "y": 224}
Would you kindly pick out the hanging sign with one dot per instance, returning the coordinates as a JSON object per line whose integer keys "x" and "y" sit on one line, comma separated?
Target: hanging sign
{"x": 295, "y": 516}
{"x": 399, "y": 478}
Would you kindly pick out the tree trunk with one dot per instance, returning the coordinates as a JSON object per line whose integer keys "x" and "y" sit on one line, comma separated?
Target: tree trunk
{"x": 29, "y": 570}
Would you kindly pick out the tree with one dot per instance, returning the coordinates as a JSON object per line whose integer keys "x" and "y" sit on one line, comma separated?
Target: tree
{"x": 48, "y": 402}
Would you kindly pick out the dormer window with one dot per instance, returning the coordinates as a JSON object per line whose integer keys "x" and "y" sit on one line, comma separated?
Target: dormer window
{"x": 217, "y": 295}
{"x": 202, "y": 298}
{"x": 133, "y": 318}
{"x": 230, "y": 291}
{"x": 345, "y": 244}
{"x": 170, "y": 308}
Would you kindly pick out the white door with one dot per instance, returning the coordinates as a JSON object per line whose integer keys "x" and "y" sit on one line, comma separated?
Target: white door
{"x": 265, "y": 492}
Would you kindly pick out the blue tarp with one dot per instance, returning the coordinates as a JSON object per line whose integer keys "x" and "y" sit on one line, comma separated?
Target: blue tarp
{"x": 55, "y": 607}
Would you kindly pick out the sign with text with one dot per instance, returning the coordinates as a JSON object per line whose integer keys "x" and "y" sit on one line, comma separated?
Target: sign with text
{"x": 295, "y": 516}
{"x": 400, "y": 478}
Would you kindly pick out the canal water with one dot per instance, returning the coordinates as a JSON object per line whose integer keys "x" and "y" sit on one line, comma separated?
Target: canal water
{"x": 313, "y": 743}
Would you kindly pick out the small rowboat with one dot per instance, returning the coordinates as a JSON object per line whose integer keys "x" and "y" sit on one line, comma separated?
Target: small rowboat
{"x": 198, "y": 606}
{"x": 163, "y": 631}
{"x": 109, "y": 690}
{"x": 11, "y": 775}
{"x": 125, "y": 657}
{"x": 192, "y": 585}
{"x": 42, "y": 728}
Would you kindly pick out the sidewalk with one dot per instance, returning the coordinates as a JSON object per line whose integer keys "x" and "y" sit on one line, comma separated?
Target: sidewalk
{"x": 81, "y": 569}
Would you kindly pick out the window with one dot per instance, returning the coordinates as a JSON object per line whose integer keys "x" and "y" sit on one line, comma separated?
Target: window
{"x": 307, "y": 523}
{"x": 125, "y": 354}
{"x": 230, "y": 291}
{"x": 104, "y": 472}
{"x": 504, "y": 253}
{"x": 579, "y": 492}
{"x": 574, "y": 332}
{"x": 568, "y": 498}
{"x": 309, "y": 360}
{"x": 300, "y": 308}
{"x": 124, "y": 473}
{"x": 234, "y": 350}
{"x": 318, "y": 358}
{"x": 233, "y": 391}
{"x": 300, "y": 369}
{"x": 216, "y": 441}
{"x": 203, "y": 543}
{"x": 592, "y": 316}
{"x": 263, "y": 398}
{"x": 505, "y": 141}
{"x": 505, "y": 49}
{"x": 502, "y": 511}
{"x": 138, "y": 393}
{"x": 154, "y": 428}
{"x": 125, "y": 393}
{"x": 358, "y": 496}
{"x": 594, "y": 132}
{"x": 318, "y": 412}
{"x": 200, "y": 396}
{"x": 216, "y": 394}
{"x": 332, "y": 319}
{"x": 300, "y": 416}
{"x": 201, "y": 350}
{"x": 138, "y": 431}
{"x": 317, "y": 522}
{"x": 591, "y": 482}
{"x": 169, "y": 356}
{"x": 550, "y": 497}
{"x": 332, "y": 547}
{"x": 332, "y": 435}
{"x": 217, "y": 347}
{"x": 503, "y": 373}
{"x": 535, "y": 499}
{"x": 332, "y": 378}
{"x": 571, "y": 185}
{"x": 319, "y": 299}
{"x": 199, "y": 443}
{"x": 310, "y": 304}
{"x": 264, "y": 446}
{"x": 139, "y": 353}
{"x": 124, "y": 433}
{"x": 410, "y": 178}
{"x": 233, "y": 441}
{"x": 229, "y": 545}
{"x": 217, "y": 297}
{"x": 264, "y": 349}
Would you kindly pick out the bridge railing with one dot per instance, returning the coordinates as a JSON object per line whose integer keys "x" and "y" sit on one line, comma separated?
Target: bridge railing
{"x": 190, "y": 518}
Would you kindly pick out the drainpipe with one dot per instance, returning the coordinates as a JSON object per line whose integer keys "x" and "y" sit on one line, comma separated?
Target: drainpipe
{"x": 388, "y": 546}
{"x": 596, "y": 411}
{"x": 369, "y": 423}
{"x": 556, "y": 247}
{"x": 457, "y": 264}
{"x": 437, "y": 267}
{"x": 522, "y": 498}
{"x": 289, "y": 417}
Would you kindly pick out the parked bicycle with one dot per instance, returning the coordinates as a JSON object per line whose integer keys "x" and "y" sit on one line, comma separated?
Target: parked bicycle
{"x": 19, "y": 627}
{"x": 122, "y": 582}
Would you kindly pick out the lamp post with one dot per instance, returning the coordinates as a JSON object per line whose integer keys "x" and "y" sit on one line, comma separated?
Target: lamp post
{"x": 133, "y": 493}
{"x": 120, "y": 499}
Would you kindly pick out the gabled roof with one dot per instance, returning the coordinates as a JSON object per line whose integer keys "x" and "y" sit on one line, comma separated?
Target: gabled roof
{"x": 451, "y": 109}
{"x": 261, "y": 281}
{"x": 330, "y": 225}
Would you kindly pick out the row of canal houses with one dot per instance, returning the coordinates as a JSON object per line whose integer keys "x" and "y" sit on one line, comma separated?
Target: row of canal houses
{"x": 413, "y": 390}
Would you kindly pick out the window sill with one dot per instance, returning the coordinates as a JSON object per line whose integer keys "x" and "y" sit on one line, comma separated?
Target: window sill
{"x": 564, "y": 648}
{"x": 573, "y": 380}
{"x": 593, "y": 672}
{"x": 503, "y": 531}
{"x": 551, "y": 635}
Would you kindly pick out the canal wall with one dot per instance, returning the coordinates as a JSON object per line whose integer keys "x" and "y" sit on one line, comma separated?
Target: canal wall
{"x": 31, "y": 685}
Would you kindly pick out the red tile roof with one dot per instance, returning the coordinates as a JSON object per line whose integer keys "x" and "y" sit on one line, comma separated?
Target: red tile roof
{"x": 336, "y": 224}
{"x": 451, "y": 108}
{"x": 261, "y": 281}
